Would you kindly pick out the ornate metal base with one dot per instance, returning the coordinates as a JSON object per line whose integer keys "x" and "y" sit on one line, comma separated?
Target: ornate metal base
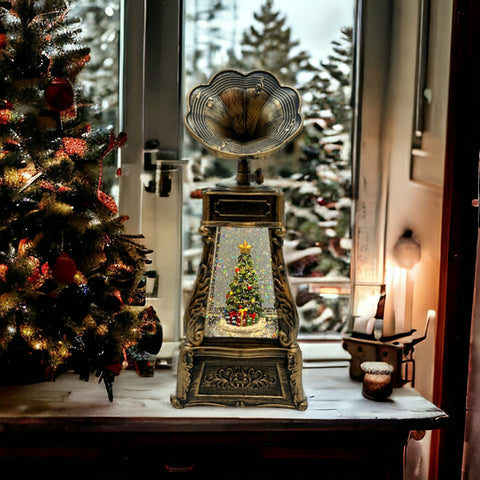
{"x": 240, "y": 377}
{"x": 237, "y": 370}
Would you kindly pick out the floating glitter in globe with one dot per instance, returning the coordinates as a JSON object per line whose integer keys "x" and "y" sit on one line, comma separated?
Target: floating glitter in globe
{"x": 226, "y": 255}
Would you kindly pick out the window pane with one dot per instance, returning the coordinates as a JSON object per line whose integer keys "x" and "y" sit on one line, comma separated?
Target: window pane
{"x": 307, "y": 45}
{"x": 99, "y": 80}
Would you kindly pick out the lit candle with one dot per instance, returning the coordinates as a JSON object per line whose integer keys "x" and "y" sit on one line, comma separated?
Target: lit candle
{"x": 402, "y": 301}
{"x": 399, "y": 286}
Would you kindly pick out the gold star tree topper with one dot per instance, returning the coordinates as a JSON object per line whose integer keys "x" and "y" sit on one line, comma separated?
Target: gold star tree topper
{"x": 245, "y": 248}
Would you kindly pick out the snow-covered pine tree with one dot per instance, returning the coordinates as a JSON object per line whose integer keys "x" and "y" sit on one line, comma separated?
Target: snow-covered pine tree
{"x": 268, "y": 45}
{"x": 326, "y": 163}
{"x": 319, "y": 210}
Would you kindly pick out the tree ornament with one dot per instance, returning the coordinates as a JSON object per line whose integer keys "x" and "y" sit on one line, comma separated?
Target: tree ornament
{"x": 59, "y": 95}
{"x": 108, "y": 201}
{"x": 64, "y": 269}
{"x": 245, "y": 247}
{"x": 3, "y": 272}
{"x": 74, "y": 146}
{"x": 152, "y": 332}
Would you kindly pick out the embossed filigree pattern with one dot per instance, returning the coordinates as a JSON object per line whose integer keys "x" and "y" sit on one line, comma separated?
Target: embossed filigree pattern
{"x": 286, "y": 308}
{"x": 185, "y": 365}
{"x": 239, "y": 378}
{"x": 194, "y": 320}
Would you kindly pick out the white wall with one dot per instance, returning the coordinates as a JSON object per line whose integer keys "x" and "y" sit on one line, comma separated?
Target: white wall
{"x": 416, "y": 204}
{"x": 412, "y": 202}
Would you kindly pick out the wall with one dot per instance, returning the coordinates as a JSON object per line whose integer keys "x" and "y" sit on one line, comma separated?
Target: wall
{"x": 414, "y": 203}
{"x": 415, "y": 194}
{"x": 412, "y": 185}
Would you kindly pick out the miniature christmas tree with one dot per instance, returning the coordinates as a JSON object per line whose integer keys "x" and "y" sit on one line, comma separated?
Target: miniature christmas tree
{"x": 244, "y": 302}
{"x": 70, "y": 278}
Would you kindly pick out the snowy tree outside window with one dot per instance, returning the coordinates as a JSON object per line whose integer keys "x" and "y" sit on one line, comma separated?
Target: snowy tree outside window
{"x": 100, "y": 24}
{"x": 307, "y": 45}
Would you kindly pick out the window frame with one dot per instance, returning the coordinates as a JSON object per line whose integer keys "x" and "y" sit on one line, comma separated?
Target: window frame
{"x": 152, "y": 38}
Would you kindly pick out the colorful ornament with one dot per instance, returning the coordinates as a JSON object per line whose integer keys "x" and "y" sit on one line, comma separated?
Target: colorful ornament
{"x": 64, "y": 269}
{"x": 59, "y": 95}
{"x": 3, "y": 272}
{"x": 5, "y": 116}
{"x": 108, "y": 201}
{"x": 74, "y": 146}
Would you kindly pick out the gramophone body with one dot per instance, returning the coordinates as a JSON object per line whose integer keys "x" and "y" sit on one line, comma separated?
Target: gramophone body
{"x": 241, "y": 324}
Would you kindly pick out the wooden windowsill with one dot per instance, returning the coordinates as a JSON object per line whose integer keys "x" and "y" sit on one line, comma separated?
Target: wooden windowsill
{"x": 335, "y": 402}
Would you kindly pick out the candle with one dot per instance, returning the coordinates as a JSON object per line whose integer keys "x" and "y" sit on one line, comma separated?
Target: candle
{"x": 389, "y": 311}
{"x": 398, "y": 302}
{"x": 399, "y": 286}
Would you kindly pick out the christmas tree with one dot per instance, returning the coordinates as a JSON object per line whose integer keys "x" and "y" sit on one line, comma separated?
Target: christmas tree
{"x": 319, "y": 202}
{"x": 71, "y": 280}
{"x": 243, "y": 300}
{"x": 323, "y": 217}
{"x": 269, "y": 46}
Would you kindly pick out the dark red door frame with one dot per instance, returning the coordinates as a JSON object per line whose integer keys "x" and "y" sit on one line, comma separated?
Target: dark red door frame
{"x": 459, "y": 240}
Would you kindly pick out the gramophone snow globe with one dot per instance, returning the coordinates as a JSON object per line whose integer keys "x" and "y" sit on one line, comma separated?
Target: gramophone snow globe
{"x": 241, "y": 324}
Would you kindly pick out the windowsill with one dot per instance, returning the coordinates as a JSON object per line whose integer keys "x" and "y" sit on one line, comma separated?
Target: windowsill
{"x": 323, "y": 350}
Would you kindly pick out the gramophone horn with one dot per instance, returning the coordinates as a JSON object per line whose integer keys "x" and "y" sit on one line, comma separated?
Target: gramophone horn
{"x": 243, "y": 116}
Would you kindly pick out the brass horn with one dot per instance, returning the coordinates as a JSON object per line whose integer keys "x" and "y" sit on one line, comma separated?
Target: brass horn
{"x": 243, "y": 116}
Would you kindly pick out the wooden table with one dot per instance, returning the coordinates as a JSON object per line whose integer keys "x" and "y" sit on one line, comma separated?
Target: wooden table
{"x": 71, "y": 424}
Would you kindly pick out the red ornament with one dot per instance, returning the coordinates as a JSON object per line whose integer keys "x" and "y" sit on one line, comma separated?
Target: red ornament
{"x": 3, "y": 271}
{"x": 74, "y": 146}
{"x": 119, "y": 172}
{"x": 5, "y": 116}
{"x": 59, "y": 95}
{"x": 196, "y": 193}
{"x": 108, "y": 201}
{"x": 118, "y": 296}
{"x": 64, "y": 269}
